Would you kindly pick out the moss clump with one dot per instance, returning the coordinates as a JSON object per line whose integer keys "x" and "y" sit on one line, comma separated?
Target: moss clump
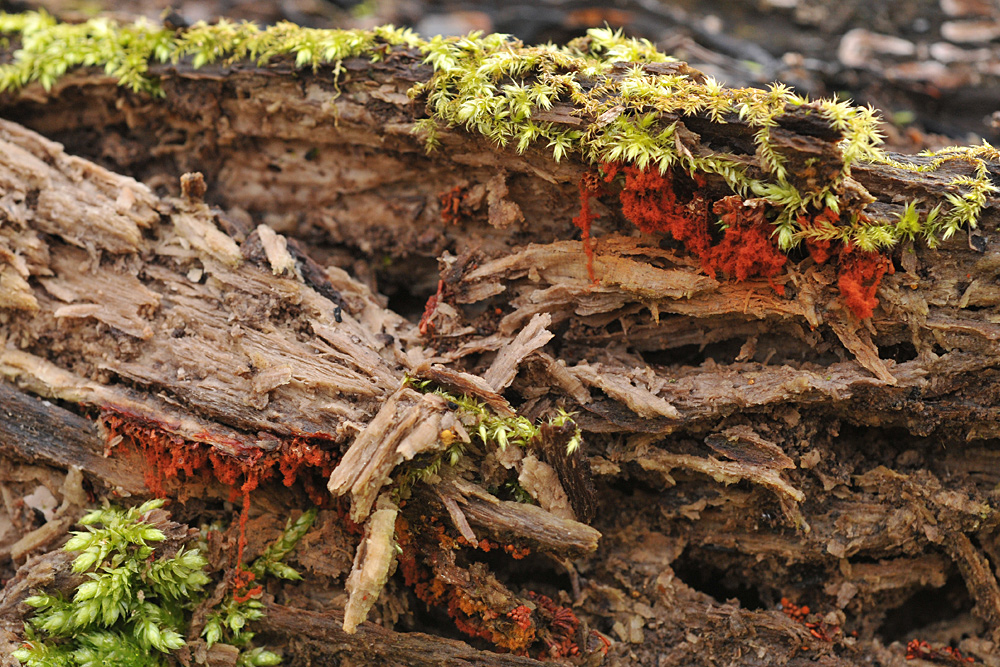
{"x": 136, "y": 605}
{"x": 497, "y": 87}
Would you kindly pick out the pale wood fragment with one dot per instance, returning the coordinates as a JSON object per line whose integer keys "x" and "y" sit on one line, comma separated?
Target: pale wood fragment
{"x": 374, "y": 557}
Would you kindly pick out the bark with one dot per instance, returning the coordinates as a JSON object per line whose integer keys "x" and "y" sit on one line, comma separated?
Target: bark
{"x": 751, "y": 445}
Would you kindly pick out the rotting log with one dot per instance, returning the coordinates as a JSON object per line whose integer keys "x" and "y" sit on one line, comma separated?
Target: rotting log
{"x": 752, "y": 444}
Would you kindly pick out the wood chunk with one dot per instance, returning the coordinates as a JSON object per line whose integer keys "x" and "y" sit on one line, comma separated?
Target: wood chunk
{"x": 541, "y": 481}
{"x": 32, "y": 429}
{"x": 276, "y": 249}
{"x": 505, "y": 521}
{"x": 534, "y": 336}
{"x": 859, "y": 342}
{"x": 464, "y": 383}
{"x": 743, "y": 445}
{"x": 641, "y": 401}
{"x": 573, "y": 469}
{"x": 374, "y": 557}
{"x": 408, "y": 424}
{"x": 725, "y": 472}
{"x": 89, "y": 206}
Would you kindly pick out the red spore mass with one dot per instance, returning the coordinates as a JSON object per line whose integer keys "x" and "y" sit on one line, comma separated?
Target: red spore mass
{"x": 651, "y": 202}
{"x": 670, "y": 204}
{"x": 747, "y": 249}
{"x": 859, "y": 278}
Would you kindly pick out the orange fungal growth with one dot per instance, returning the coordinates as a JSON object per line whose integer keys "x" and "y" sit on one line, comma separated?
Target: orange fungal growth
{"x": 451, "y": 202}
{"x": 168, "y": 457}
{"x": 508, "y": 625}
{"x": 747, "y": 249}
{"x": 560, "y": 631}
{"x": 242, "y": 591}
{"x": 426, "y": 325}
{"x": 859, "y": 277}
{"x": 651, "y": 202}
{"x": 918, "y": 649}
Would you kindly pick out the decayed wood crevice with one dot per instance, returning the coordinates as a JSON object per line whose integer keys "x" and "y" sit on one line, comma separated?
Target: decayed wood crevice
{"x": 774, "y": 438}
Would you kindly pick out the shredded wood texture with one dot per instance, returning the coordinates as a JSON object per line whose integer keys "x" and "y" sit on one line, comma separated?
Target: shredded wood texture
{"x": 735, "y": 439}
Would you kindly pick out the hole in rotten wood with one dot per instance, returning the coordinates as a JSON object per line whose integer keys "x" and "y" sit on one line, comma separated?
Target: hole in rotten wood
{"x": 928, "y": 609}
{"x": 899, "y": 353}
{"x": 769, "y": 349}
{"x": 722, "y": 585}
{"x": 408, "y": 284}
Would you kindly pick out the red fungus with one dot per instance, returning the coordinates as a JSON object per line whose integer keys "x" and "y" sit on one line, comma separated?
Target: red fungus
{"x": 747, "y": 249}
{"x": 427, "y": 320}
{"x": 819, "y": 249}
{"x": 859, "y": 277}
{"x": 650, "y": 202}
{"x": 241, "y": 582}
{"x": 590, "y": 187}
{"x": 451, "y": 201}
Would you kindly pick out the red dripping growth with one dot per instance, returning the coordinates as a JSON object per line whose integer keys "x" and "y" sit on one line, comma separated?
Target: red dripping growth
{"x": 241, "y": 582}
{"x": 859, "y": 277}
{"x": 590, "y": 186}
{"x": 168, "y": 457}
{"x": 165, "y": 455}
{"x": 746, "y": 249}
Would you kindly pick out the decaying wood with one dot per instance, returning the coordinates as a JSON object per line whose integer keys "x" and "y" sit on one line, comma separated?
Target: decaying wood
{"x": 323, "y": 636}
{"x": 771, "y": 442}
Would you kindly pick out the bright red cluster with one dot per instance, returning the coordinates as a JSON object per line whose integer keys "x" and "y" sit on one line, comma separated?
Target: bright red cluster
{"x": 651, "y": 202}
{"x": 818, "y": 629}
{"x": 820, "y": 250}
{"x": 426, "y": 325}
{"x": 746, "y": 250}
{"x": 559, "y": 635}
{"x": 520, "y": 615}
{"x": 859, "y": 276}
{"x": 674, "y": 205}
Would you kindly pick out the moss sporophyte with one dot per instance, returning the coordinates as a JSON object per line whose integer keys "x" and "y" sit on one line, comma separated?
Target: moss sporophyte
{"x": 635, "y": 103}
{"x": 140, "y": 592}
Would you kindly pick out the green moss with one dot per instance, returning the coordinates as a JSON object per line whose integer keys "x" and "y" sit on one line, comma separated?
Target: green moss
{"x": 493, "y": 432}
{"x": 497, "y": 87}
{"x": 136, "y": 604}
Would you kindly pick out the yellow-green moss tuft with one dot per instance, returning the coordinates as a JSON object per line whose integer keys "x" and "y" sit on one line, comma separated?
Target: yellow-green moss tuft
{"x": 499, "y": 88}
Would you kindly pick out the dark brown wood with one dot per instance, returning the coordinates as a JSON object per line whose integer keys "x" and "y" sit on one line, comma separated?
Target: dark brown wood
{"x": 36, "y": 430}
